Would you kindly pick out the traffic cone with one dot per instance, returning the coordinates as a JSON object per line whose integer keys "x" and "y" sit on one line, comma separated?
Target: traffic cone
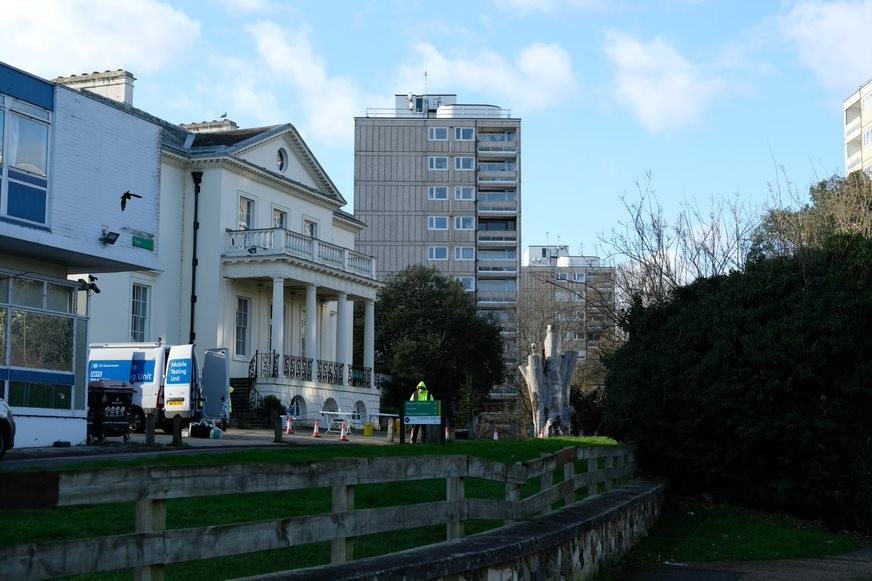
{"x": 316, "y": 433}
{"x": 289, "y": 428}
{"x": 496, "y": 433}
{"x": 343, "y": 435}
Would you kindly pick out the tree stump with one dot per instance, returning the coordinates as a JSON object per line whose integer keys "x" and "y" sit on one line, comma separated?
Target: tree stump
{"x": 548, "y": 374}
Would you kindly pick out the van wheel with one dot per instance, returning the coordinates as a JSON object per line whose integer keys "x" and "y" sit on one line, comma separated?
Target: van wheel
{"x": 137, "y": 421}
{"x": 2, "y": 443}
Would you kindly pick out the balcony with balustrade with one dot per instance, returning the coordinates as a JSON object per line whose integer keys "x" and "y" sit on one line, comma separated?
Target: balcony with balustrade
{"x": 281, "y": 243}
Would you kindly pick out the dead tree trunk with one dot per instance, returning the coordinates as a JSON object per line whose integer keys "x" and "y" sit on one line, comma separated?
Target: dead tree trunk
{"x": 548, "y": 374}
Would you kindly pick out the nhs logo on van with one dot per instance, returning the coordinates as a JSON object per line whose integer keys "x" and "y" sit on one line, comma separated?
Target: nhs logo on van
{"x": 128, "y": 371}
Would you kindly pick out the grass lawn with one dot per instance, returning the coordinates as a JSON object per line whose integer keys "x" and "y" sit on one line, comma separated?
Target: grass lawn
{"x": 693, "y": 530}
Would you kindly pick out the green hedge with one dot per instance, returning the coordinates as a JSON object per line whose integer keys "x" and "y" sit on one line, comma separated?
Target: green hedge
{"x": 757, "y": 386}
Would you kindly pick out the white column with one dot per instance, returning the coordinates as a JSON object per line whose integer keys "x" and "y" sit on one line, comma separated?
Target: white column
{"x": 311, "y": 324}
{"x": 327, "y": 344}
{"x": 342, "y": 320}
{"x": 278, "y": 315}
{"x": 369, "y": 335}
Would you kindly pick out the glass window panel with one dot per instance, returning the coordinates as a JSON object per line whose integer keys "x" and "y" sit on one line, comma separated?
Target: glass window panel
{"x": 280, "y": 219}
{"x": 3, "y": 314}
{"x": 27, "y": 292}
{"x": 437, "y": 163}
{"x": 41, "y": 341}
{"x": 241, "y": 326}
{"x": 139, "y": 313}
{"x": 438, "y": 133}
{"x": 437, "y": 193}
{"x": 28, "y": 145}
{"x": 246, "y": 209}
{"x": 4, "y": 289}
{"x": 59, "y": 298}
{"x": 464, "y": 193}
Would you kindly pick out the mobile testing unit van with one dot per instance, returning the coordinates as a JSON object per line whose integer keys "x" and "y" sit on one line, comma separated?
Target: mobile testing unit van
{"x": 167, "y": 380}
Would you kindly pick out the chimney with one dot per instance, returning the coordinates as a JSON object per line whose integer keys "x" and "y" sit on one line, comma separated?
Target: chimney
{"x": 116, "y": 85}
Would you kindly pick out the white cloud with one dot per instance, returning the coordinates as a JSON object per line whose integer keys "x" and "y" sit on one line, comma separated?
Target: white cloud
{"x": 657, "y": 84}
{"x": 548, "y": 6}
{"x": 540, "y": 75}
{"x": 832, "y": 39}
{"x": 327, "y": 102}
{"x": 52, "y": 38}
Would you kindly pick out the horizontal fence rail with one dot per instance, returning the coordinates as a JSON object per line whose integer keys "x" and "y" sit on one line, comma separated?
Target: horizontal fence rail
{"x": 151, "y": 546}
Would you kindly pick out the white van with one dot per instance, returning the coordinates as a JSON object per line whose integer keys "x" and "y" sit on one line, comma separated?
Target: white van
{"x": 167, "y": 380}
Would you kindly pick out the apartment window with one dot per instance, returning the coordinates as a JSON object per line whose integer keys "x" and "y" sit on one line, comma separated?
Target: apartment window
{"x": 280, "y": 219}
{"x": 498, "y": 285}
{"x": 464, "y": 223}
{"x": 561, "y": 276}
{"x": 504, "y": 225}
{"x": 867, "y": 137}
{"x": 242, "y": 325}
{"x": 437, "y": 193}
{"x": 310, "y": 228}
{"x": 578, "y": 277}
{"x": 464, "y": 133}
{"x": 561, "y": 296}
{"x": 246, "y": 213}
{"x": 437, "y": 253}
{"x": 464, "y": 193}
{"x": 464, "y": 163}
{"x": 467, "y": 282}
{"x": 866, "y": 103}
{"x": 438, "y": 134}
{"x": 504, "y": 196}
{"x": 139, "y": 313}
{"x": 26, "y": 155}
{"x": 501, "y": 254}
{"x": 437, "y": 163}
{"x": 437, "y": 222}
{"x": 464, "y": 253}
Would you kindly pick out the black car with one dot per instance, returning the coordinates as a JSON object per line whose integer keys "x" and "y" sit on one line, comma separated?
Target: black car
{"x": 7, "y": 428}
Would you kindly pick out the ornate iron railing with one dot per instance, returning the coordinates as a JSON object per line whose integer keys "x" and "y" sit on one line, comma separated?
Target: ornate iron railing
{"x": 330, "y": 372}
{"x": 297, "y": 367}
{"x": 359, "y": 376}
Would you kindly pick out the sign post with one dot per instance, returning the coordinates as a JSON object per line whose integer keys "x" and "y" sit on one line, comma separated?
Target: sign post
{"x": 421, "y": 413}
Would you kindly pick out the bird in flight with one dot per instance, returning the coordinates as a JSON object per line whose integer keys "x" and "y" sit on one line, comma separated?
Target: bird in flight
{"x": 224, "y": 116}
{"x": 126, "y": 196}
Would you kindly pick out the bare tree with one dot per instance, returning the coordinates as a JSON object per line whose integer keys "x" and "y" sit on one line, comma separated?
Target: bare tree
{"x": 654, "y": 256}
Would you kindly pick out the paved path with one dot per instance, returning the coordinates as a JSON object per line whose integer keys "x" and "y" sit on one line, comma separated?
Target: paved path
{"x": 855, "y": 566}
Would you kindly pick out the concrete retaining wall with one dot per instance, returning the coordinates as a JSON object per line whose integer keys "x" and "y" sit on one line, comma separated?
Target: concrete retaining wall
{"x": 571, "y": 543}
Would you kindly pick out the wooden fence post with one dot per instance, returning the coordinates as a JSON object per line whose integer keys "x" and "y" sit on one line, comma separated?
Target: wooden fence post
{"x": 342, "y": 547}
{"x": 151, "y": 517}
{"x": 454, "y": 493}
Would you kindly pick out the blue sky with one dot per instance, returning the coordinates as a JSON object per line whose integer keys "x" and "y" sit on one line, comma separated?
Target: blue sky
{"x": 713, "y": 99}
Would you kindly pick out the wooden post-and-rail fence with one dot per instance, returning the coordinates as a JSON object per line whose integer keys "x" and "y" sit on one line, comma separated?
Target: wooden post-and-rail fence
{"x": 151, "y": 546}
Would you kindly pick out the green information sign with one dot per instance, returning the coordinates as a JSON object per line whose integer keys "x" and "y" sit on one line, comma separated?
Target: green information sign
{"x": 140, "y": 242}
{"x": 422, "y": 412}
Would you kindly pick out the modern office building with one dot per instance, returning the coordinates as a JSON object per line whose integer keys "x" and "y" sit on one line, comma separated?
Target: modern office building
{"x": 858, "y": 130}
{"x": 438, "y": 183}
{"x": 577, "y": 293}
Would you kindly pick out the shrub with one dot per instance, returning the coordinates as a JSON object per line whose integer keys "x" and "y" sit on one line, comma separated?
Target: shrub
{"x": 755, "y": 386}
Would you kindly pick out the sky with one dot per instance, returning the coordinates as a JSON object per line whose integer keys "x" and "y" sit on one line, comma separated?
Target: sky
{"x": 695, "y": 100}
